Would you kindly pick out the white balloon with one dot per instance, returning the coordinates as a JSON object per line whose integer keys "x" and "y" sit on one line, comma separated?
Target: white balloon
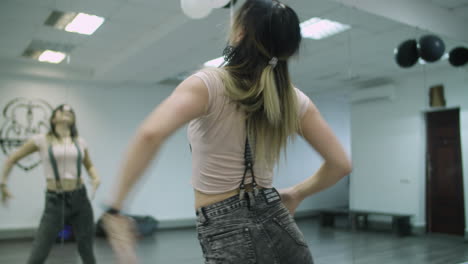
{"x": 196, "y": 9}
{"x": 219, "y": 3}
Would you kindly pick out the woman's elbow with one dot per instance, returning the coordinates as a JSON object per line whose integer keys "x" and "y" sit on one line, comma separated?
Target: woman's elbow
{"x": 150, "y": 135}
{"x": 10, "y": 161}
{"x": 342, "y": 167}
{"x": 347, "y": 167}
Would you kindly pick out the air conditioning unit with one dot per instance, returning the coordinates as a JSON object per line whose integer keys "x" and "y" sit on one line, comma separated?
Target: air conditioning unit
{"x": 386, "y": 92}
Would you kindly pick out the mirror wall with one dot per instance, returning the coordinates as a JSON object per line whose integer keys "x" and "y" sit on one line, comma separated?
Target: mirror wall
{"x": 113, "y": 78}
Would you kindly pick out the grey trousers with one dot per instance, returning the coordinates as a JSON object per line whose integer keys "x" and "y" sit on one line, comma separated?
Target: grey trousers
{"x": 74, "y": 208}
{"x": 258, "y": 229}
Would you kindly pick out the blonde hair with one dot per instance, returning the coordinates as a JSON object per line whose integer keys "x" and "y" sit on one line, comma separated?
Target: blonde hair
{"x": 263, "y": 30}
{"x": 271, "y": 116}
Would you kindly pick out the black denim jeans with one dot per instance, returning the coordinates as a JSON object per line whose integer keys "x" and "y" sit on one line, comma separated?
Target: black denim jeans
{"x": 71, "y": 207}
{"x": 258, "y": 229}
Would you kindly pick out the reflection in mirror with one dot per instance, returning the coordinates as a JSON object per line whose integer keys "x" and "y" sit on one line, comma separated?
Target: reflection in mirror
{"x": 45, "y": 157}
{"x": 408, "y": 121}
{"x": 401, "y": 119}
{"x": 35, "y": 133}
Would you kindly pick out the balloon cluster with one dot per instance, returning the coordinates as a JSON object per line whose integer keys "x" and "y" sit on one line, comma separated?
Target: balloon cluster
{"x": 458, "y": 56}
{"x": 197, "y": 9}
{"x": 430, "y": 48}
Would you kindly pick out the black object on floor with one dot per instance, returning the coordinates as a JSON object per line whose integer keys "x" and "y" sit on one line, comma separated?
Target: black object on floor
{"x": 401, "y": 224}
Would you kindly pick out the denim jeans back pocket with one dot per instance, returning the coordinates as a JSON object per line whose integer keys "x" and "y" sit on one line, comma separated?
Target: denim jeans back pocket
{"x": 229, "y": 246}
{"x": 286, "y": 223}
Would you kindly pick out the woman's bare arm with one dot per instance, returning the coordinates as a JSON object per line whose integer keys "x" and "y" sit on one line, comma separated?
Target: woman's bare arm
{"x": 92, "y": 172}
{"x": 336, "y": 162}
{"x": 187, "y": 102}
{"x": 26, "y": 149}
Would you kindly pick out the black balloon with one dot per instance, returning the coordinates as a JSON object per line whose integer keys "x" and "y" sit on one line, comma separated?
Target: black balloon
{"x": 407, "y": 53}
{"x": 458, "y": 56}
{"x": 431, "y": 48}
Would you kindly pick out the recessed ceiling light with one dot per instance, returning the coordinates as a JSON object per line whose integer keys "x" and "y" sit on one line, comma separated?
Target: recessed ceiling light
{"x": 74, "y": 22}
{"x": 47, "y": 51}
{"x": 52, "y": 56}
{"x": 318, "y": 28}
{"x": 85, "y": 24}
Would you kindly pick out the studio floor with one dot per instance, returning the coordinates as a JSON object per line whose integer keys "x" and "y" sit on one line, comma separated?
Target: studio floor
{"x": 329, "y": 246}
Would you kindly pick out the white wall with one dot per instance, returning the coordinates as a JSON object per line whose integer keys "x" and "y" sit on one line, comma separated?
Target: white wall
{"x": 107, "y": 117}
{"x": 388, "y": 144}
{"x": 302, "y": 161}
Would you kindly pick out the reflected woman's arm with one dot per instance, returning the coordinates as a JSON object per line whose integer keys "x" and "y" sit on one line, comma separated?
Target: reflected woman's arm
{"x": 92, "y": 172}
{"x": 26, "y": 149}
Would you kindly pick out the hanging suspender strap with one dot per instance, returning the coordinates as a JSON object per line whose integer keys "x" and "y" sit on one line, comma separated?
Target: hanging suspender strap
{"x": 78, "y": 163}
{"x": 248, "y": 161}
{"x": 53, "y": 162}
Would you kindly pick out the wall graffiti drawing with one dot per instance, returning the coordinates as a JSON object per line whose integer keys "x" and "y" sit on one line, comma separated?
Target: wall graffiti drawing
{"x": 23, "y": 118}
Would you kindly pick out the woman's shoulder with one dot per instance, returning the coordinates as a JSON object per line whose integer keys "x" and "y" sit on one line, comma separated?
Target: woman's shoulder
{"x": 303, "y": 101}
{"x": 212, "y": 70}
{"x": 213, "y": 79}
{"x": 39, "y": 136}
{"x": 300, "y": 94}
{"x": 210, "y": 74}
{"x": 82, "y": 142}
{"x": 40, "y": 139}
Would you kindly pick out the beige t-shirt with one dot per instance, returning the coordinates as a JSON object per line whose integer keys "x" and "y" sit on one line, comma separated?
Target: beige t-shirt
{"x": 66, "y": 156}
{"x": 218, "y": 141}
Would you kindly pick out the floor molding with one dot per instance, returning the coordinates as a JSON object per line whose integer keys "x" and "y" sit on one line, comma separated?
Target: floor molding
{"x": 17, "y": 233}
{"x": 177, "y": 223}
{"x": 27, "y": 233}
{"x": 419, "y": 229}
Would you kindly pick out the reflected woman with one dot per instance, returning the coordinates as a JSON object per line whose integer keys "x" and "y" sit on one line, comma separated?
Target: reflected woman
{"x": 63, "y": 153}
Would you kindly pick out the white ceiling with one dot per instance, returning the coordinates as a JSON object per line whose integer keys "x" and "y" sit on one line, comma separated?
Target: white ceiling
{"x": 451, "y": 4}
{"x": 146, "y": 41}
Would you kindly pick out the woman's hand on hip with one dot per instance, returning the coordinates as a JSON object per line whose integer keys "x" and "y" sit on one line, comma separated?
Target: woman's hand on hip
{"x": 291, "y": 199}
